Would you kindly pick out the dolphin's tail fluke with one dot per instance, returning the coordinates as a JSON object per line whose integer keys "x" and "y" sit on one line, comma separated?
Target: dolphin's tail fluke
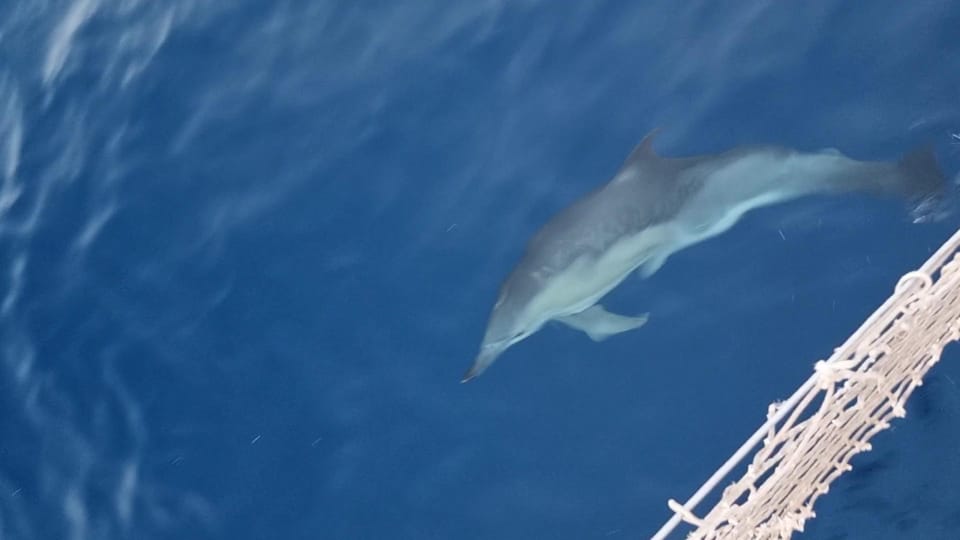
{"x": 921, "y": 177}
{"x": 922, "y": 183}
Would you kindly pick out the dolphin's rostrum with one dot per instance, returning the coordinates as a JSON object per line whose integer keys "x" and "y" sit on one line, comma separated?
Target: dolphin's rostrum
{"x": 655, "y": 206}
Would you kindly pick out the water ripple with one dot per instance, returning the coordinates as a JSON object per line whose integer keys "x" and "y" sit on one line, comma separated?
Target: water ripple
{"x": 65, "y": 160}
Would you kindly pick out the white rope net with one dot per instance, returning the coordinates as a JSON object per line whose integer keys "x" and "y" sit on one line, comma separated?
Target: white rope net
{"x": 809, "y": 439}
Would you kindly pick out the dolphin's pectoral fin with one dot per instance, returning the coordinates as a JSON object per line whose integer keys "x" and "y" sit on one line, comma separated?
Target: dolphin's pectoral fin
{"x": 600, "y": 324}
{"x": 651, "y": 266}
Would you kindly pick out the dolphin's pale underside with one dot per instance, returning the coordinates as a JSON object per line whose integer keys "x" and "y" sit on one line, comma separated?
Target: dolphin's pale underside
{"x": 655, "y": 206}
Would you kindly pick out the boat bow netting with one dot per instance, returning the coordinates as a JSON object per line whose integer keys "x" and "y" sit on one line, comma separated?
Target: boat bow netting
{"x": 810, "y": 438}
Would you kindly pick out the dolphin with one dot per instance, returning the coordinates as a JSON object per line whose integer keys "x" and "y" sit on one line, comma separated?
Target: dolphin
{"x": 655, "y": 206}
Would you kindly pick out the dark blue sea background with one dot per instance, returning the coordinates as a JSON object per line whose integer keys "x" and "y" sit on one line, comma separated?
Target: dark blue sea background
{"x": 249, "y": 248}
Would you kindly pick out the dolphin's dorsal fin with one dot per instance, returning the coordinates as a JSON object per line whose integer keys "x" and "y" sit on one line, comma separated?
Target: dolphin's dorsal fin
{"x": 644, "y": 150}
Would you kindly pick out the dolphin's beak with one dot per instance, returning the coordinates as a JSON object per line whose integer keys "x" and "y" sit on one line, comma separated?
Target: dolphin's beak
{"x": 488, "y": 354}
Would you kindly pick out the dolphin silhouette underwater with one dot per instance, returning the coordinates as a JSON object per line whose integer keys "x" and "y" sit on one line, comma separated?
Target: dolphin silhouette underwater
{"x": 655, "y": 206}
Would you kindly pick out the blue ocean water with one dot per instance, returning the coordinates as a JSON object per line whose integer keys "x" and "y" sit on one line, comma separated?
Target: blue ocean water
{"x": 249, "y": 248}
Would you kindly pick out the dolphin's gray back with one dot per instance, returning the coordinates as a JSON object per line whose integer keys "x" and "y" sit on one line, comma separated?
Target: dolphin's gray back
{"x": 642, "y": 195}
{"x": 651, "y": 190}
{"x": 648, "y": 190}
